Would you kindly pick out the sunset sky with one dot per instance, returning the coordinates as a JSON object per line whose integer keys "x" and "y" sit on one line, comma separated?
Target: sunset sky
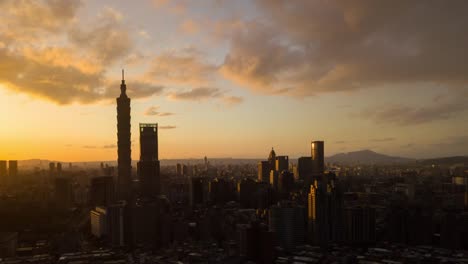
{"x": 234, "y": 78}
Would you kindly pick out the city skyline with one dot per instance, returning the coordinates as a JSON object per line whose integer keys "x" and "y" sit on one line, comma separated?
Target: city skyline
{"x": 214, "y": 92}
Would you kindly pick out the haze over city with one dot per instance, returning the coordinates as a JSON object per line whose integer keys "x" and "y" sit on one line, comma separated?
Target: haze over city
{"x": 234, "y": 78}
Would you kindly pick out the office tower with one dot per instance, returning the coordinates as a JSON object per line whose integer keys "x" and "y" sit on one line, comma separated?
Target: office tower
{"x": 117, "y": 219}
{"x": 3, "y": 172}
{"x": 148, "y": 166}
{"x": 256, "y": 243}
{"x": 318, "y": 158}
{"x": 304, "y": 170}
{"x": 63, "y": 192}
{"x": 247, "y": 193}
{"x": 59, "y": 169}
{"x": 12, "y": 170}
{"x": 101, "y": 191}
{"x": 325, "y": 212}
{"x": 285, "y": 182}
{"x": 220, "y": 191}
{"x": 281, "y": 163}
{"x": 51, "y": 169}
{"x": 272, "y": 159}
{"x": 123, "y": 143}
{"x": 359, "y": 224}
{"x": 98, "y": 219}
{"x": 264, "y": 171}
{"x": 179, "y": 169}
{"x": 288, "y": 222}
{"x": 274, "y": 177}
{"x": 198, "y": 190}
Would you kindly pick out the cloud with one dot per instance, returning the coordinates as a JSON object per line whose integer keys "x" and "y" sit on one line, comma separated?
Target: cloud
{"x": 189, "y": 27}
{"x": 387, "y": 139}
{"x": 110, "y": 146}
{"x": 46, "y": 53}
{"x": 410, "y": 115}
{"x": 184, "y": 67}
{"x": 196, "y": 94}
{"x": 89, "y": 147}
{"x": 154, "y": 111}
{"x": 304, "y": 48}
{"x": 232, "y": 100}
{"x": 166, "y": 127}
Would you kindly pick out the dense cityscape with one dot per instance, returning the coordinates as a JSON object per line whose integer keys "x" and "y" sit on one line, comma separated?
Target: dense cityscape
{"x": 233, "y": 132}
{"x": 277, "y": 210}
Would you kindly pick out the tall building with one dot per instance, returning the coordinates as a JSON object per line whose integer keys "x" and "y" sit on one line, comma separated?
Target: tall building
{"x": 281, "y": 163}
{"x": 12, "y": 169}
{"x": 148, "y": 166}
{"x": 59, "y": 169}
{"x": 98, "y": 219}
{"x": 3, "y": 171}
{"x": 272, "y": 159}
{"x": 360, "y": 224}
{"x": 123, "y": 142}
{"x": 102, "y": 191}
{"x": 263, "y": 171}
{"x": 63, "y": 192}
{"x": 288, "y": 223}
{"x": 51, "y": 169}
{"x": 318, "y": 158}
{"x": 117, "y": 219}
{"x": 304, "y": 170}
{"x": 325, "y": 212}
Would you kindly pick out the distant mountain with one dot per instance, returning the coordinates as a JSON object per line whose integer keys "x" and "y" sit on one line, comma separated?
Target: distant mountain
{"x": 365, "y": 157}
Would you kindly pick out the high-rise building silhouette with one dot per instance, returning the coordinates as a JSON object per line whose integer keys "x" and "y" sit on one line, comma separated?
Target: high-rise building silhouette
{"x": 12, "y": 169}
{"x": 272, "y": 159}
{"x": 325, "y": 212}
{"x": 288, "y": 222}
{"x": 318, "y": 158}
{"x": 123, "y": 142}
{"x": 281, "y": 163}
{"x": 148, "y": 166}
{"x": 101, "y": 191}
{"x": 3, "y": 171}
{"x": 51, "y": 169}
{"x": 59, "y": 169}
{"x": 263, "y": 171}
{"x": 304, "y": 170}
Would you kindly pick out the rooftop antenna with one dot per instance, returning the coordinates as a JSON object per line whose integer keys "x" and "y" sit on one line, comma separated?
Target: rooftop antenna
{"x": 123, "y": 79}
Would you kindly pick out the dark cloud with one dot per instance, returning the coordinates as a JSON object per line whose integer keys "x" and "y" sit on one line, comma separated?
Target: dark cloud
{"x": 166, "y": 127}
{"x": 154, "y": 111}
{"x": 309, "y": 47}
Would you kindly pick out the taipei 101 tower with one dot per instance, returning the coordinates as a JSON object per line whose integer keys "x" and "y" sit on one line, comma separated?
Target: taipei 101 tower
{"x": 123, "y": 143}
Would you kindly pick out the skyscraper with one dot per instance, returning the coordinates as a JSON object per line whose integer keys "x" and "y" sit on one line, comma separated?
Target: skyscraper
{"x": 3, "y": 171}
{"x": 318, "y": 158}
{"x": 263, "y": 171}
{"x": 148, "y": 166}
{"x": 12, "y": 169}
{"x": 281, "y": 163}
{"x": 123, "y": 142}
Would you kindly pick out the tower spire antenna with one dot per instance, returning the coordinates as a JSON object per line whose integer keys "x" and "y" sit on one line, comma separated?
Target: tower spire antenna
{"x": 123, "y": 76}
